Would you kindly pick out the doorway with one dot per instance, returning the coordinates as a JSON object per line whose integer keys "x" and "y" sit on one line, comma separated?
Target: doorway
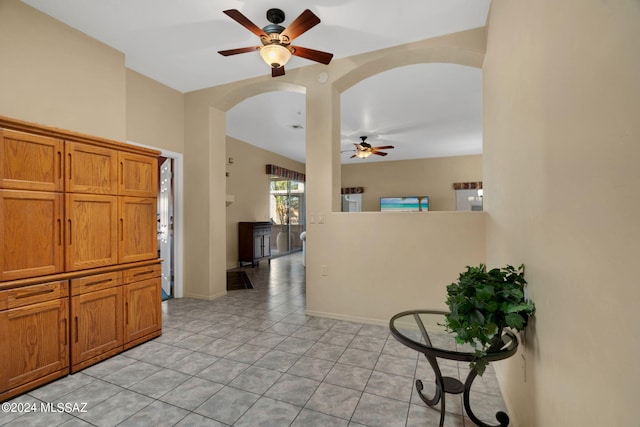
{"x": 171, "y": 252}
{"x": 166, "y": 226}
{"x": 170, "y": 224}
{"x": 287, "y": 211}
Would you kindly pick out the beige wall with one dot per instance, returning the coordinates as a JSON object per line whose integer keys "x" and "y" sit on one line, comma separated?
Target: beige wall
{"x": 561, "y": 155}
{"x": 155, "y": 113}
{"x": 248, "y": 183}
{"x": 54, "y": 75}
{"x": 425, "y": 177}
{"x": 382, "y": 263}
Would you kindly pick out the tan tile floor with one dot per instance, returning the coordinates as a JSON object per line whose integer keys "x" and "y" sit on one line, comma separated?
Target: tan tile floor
{"x": 253, "y": 358}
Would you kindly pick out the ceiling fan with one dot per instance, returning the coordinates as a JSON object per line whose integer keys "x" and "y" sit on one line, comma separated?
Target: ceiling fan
{"x": 276, "y": 40}
{"x": 364, "y": 149}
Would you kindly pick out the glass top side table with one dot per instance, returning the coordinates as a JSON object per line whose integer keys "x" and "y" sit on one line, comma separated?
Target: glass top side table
{"x": 424, "y": 331}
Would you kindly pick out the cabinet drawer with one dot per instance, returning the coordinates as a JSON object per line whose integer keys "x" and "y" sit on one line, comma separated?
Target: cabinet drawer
{"x": 262, "y": 231}
{"x": 141, "y": 273}
{"x": 19, "y": 297}
{"x": 95, "y": 282}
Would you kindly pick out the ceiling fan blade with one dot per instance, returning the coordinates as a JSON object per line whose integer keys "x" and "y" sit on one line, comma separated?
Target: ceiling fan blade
{"x": 359, "y": 147}
{"x": 237, "y": 16}
{"x": 352, "y": 156}
{"x": 384, "y": 147}
{"x": 312, "y": 54}
{"x": 379, "y": 153}
{"x": 301, "y": 24}
{"x": 237, "y": 51}
{"x": 277, "y": 72}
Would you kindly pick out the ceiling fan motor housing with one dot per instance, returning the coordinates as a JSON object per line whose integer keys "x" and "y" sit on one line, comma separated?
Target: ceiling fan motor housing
{"x": 275, "y": 16}
{"x": 273, "y": 30}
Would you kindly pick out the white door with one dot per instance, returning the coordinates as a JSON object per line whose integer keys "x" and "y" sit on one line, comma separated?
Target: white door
{"x": 165, "y": 225}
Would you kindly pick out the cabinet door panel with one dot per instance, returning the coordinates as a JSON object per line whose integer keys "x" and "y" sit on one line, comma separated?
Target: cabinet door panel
{"x": 91, "y": 169}
{"x": 142, "y": 308}
{"x": 266, "y": 245}
{"x": 138, "y": 175}
{"x": 257, "y": 246}
{"x": 34, "y": 342}
{"x": 30, "y": 162}
{"x": 138, "y": 239}
{"x": 96, "y": 323}
{"x": 30, "y": 234}
{"x": 91, "y": 231}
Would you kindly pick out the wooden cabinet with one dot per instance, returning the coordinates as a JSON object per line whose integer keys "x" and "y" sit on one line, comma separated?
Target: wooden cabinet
{"x": 142, "y": 304}
{"x": 34, "y": 334}
{"x": 96, "y": 319}
{"x": 91, "y": 231}
{"x": 138, "y": 239}
{"x": 90, "y": 169}
{"x": 254, "y": 241}
{"x": 108, "y": 214}
{"x": 30, "y": 234}
{"x": 138, "y": 175}
{"x": 30, "y": 162}
{"x": 78, "y": 214}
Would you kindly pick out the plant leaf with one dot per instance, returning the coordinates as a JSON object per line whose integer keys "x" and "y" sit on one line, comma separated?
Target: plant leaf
{"x": 476, "y": 316}
{"x": 517, "y": 308}
{"x": 485, "y": 292}
{"x": 514, "y": 320}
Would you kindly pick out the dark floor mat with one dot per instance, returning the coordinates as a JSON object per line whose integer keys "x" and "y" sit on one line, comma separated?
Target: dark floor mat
{"x": 237, "y": 280}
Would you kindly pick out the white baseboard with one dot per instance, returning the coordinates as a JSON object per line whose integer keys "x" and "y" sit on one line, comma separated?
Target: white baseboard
{"x": 204, "y": 297}
{"x": 355, "y": 319}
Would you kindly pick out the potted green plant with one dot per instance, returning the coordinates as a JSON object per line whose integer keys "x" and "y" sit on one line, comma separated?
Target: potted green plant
{"x": 482, "y": 303}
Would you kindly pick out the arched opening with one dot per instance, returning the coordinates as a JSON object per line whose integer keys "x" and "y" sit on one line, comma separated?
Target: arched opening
{"x": 431, "y": 114}
{"x": 266, "y": 128}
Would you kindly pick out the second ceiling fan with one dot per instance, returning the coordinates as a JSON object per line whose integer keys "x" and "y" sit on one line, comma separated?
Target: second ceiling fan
{"x": 276, "y": 40}
{"x": 364, "y": 149}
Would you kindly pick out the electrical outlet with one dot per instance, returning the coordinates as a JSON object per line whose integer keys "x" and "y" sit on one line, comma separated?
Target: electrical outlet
{"x": 324, "y": 270}
{"x": 320, "y": 219}
{"x": 312, "y": 219}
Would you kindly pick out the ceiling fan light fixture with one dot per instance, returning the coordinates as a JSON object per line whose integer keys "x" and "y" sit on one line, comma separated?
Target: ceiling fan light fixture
{"x": 275, "y": 55}
{"x": 363, "y": 154}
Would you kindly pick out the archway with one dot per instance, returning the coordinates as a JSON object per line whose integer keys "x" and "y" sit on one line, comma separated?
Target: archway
{"x": 266, "y": 129}
{"x": 430, "y": 115}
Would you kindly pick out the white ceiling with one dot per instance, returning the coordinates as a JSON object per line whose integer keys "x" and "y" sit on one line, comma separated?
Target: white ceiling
{"x": 425, "y": 110}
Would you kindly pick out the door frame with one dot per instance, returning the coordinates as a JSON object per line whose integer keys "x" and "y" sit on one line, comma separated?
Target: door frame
{"x": 178, "y": 223}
